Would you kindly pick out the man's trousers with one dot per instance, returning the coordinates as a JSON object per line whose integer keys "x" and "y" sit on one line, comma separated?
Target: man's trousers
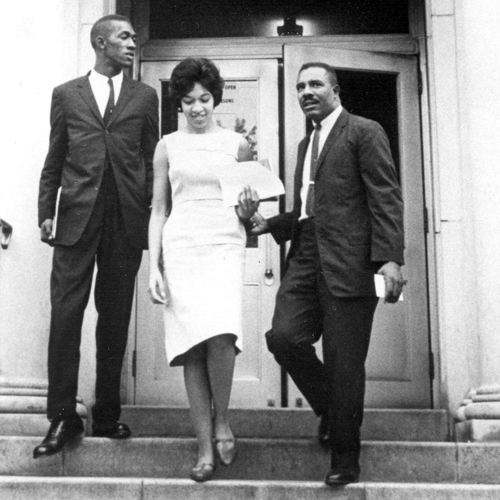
{"x": 307, "y": 311}
{"x": 104, "y": 243}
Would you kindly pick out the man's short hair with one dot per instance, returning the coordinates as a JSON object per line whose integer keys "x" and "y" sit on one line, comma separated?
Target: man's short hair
{"x": 102, "y": 27}
{"x": 329, "y": 69}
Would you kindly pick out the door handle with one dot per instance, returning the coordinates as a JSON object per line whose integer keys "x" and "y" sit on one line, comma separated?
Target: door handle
{"x": 269, "y": 274}
{"x": 6, "y": 234}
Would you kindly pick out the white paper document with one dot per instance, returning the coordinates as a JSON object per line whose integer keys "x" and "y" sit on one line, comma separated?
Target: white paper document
{"x": 380, "y": 287}
{"x": 248, "y": 173}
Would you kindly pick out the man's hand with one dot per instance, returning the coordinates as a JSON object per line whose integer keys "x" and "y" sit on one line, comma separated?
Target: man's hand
{"x": 46, "y": 234}
{"x": 393, "y": 281}
{"x": 259, "y": 225}
{"x": 248, "y": 203}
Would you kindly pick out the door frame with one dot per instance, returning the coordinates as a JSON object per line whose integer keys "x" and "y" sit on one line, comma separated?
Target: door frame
{"x": 256, "y": 377}
{"x": 247, "y": 48}
{"x": 410, "y": 384}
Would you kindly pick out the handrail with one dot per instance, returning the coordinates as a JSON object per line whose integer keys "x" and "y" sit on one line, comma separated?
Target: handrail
{"x": 6, "y": 234}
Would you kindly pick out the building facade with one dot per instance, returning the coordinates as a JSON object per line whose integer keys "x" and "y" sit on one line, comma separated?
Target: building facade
{"x": 446, "y": 114}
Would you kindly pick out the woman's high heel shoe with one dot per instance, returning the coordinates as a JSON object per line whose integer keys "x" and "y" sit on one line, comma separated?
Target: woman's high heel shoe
{"x": 202, "y": 472}
{"x": 226, "y": 450}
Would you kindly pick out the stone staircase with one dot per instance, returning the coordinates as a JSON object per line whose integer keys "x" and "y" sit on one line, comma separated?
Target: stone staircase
{"x": 406, "y": 454}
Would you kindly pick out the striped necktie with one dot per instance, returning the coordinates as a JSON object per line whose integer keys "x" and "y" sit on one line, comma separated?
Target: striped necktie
{"x": 314, "y": 165}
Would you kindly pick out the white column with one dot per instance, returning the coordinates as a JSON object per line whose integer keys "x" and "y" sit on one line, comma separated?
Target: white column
{"x": 479, "y": 78}
{"x": 454, "y": 258}
{"x": 46, "y": 53}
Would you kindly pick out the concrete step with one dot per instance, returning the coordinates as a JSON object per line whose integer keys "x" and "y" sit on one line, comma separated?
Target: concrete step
{"x": 22, "y": 488}
{"x": 149, "y": 421}
{"x": 378, "y": 424}
{"x": 259, "y": 459}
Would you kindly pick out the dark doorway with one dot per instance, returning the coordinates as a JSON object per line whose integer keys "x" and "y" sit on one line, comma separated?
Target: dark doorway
{"x": 374, "y": 96}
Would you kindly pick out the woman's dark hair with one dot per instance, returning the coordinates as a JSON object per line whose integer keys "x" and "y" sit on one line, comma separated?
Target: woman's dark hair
{"x": 195, "y": 70}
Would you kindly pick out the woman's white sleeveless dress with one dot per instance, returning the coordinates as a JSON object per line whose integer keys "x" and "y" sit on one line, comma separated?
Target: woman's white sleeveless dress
{"x": 203, "y": 244}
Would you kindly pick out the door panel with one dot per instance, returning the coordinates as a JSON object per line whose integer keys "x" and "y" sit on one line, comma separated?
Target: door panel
{"x": 398, "y": 362}
{"x": 250, "y": 105}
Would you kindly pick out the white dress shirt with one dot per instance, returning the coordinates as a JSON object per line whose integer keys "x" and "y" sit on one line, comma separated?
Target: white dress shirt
{"x": 326, "y": 127}
{"x": 100, "y": 88}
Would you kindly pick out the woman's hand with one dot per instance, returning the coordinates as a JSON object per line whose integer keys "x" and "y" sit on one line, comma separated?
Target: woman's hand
{"x": 248, "y": 203}
{"x": 156, "y": 287}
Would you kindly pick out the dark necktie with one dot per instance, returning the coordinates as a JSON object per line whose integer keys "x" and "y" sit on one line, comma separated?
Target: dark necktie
{"x": 111, "y": 102}
{"x": 314, "y": 164}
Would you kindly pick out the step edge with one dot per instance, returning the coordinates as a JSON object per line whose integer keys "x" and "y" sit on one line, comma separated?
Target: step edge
{"x": 240, "y": 482}
{"x": 427, "y": 411}
{"x": 263, "y": 440}
{"x": 257, "y": 440}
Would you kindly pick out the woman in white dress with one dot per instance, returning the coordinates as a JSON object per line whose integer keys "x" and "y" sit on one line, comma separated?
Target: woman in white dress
{"x": 196, "y": 251}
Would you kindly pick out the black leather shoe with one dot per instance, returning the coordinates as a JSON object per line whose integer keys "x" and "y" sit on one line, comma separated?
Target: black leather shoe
{"x": 60, "y": 433}
{"x": 324, "y": 431}
{"x": 335, "y": 478}
{"x": 115, "y": 431}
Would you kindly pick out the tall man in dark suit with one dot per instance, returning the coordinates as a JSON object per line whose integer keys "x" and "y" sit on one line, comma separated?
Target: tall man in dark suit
{"x": 104, "y": 129}
{"x": 345, "y": 226}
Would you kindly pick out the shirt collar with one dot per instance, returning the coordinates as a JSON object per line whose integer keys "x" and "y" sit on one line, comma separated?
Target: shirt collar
{"x": 328, "y": 122}
{"x": 100, "y": 79}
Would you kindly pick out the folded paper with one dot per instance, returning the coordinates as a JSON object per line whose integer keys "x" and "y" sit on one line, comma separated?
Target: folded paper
{"x": 380, "y": 287}
{"x": 248, "y": 173}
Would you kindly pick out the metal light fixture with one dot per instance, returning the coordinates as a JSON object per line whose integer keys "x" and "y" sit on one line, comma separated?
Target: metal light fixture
{"x": 290, "y": 27}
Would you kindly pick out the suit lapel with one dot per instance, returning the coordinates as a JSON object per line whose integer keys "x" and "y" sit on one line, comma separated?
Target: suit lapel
{"x": 332, "y": 137}
{"x": 85, "y": 91}
{"x": 301, "y": 156}
{"x": 126, "y": 92}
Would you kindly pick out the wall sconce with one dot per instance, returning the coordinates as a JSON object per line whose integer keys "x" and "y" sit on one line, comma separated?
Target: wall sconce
{"x": 6, "y": 234}
{"x": 290, "y": 27}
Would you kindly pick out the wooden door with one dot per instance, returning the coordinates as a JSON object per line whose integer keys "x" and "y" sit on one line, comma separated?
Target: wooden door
{"x": 250, "y": 105}
{"x": 383, "y": 87}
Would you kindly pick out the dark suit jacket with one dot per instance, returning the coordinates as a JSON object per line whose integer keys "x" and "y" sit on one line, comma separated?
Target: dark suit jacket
{"x": 358, "y": 206}
{"x": 79, "y": 145}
